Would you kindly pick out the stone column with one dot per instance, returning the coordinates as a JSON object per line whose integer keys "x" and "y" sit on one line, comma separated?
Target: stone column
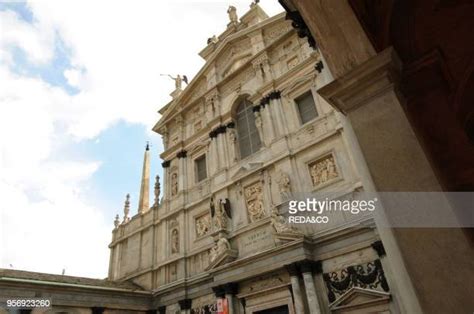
{"x": 219, "y": 292}
{"x": 295, "y": 286}
{"x": 280, "y": 116}
{"x": 307, "y": 271}
{"x": 185, "y": 306}
{"x": 222, "y": 147}
{"x": 166, "y": 180}
{"x": 182, "y": 173}
{"x": 231, "y": 290}
{"x": 213, "y": 156}
{"x": 268, "y": 127}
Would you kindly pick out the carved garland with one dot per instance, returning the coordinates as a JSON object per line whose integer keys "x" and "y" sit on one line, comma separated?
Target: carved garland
{"x": 370, "y": 275}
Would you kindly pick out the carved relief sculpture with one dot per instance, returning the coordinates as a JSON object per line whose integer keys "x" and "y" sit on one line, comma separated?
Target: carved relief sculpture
{"x": 220, "y": 247}
{"x": 203, "y": 225}
{"x": 254, "y": 200}
{"x": 279, "y": 223}
{"x": 174, "y": 241}
{"x": 174, "y": 184}
{"x": 323, "y": 170}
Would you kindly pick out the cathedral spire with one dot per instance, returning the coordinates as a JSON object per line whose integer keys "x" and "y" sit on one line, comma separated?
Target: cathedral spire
{"x": 144, "y": 200}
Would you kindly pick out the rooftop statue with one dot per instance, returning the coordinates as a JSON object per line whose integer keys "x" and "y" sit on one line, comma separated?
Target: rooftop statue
{"x": 232, "y": 11}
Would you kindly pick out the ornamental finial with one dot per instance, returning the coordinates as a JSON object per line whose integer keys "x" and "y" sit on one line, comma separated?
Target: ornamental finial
{"x": 157, "y": 189}
{"x": 126, "y": 209}
{"x": 117, "y": 221}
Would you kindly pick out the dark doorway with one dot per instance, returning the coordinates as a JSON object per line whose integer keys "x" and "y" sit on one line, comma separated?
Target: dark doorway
{"x": 276, "y": 310}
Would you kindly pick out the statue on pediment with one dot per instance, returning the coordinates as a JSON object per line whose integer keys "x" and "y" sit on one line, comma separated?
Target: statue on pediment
{"x": 232, "y": 11}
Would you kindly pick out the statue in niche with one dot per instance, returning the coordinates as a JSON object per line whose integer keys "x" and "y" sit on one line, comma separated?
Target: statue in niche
{"x": 157, "y": 189}
{"x": 174, "y": 241}
{"x": 254, "y": 198}
{"x": 232, "y": 12}
{"x": 232, "y": 135}
{"x": 259, "y": 123}
{"x": 279, "y": 223}
{"x": 233, "y": 142}
{"x": 323, "y": 170}
{"x": 174, "y": 184}
{"x": 221, "y": 214}
{"x": 284, "y": 185}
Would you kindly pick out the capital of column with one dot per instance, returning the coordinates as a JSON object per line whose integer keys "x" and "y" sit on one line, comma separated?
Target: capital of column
{"x": 97, "y": 310}
{"x": 166, "y": 163}
{"x": 221, "y": 129}
{"x": 309, "y": 266}
{"x": 231, "y": 288}
{"x": 219, "y": 291}
{"x": 293, "y": 269}
{"x": 185, "y": 304}
{"x": 182, "y": 154}
{"x": 379, "y": 248}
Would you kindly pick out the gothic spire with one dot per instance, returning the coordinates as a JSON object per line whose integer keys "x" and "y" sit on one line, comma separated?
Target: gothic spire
{"x": 144, "y": 200}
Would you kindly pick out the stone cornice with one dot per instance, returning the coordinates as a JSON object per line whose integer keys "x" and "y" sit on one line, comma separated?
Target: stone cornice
{"x": 364, "y": 82}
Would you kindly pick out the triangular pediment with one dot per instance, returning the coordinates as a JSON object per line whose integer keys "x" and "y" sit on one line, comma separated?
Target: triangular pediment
{"x": 231, "y": 53}
{"x": 246, "y": 169}
{"x": 223, "y": 258}
{"x": 359, "y": 298}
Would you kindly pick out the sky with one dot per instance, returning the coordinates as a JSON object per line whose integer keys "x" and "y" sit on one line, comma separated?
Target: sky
{"x": 80, "y": 88}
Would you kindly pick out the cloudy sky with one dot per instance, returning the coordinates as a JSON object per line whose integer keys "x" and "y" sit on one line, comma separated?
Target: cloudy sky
{"x": 80, "y": 87}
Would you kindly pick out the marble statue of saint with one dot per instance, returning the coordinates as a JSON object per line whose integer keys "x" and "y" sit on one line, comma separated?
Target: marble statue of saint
{"x": 220, "y": 217}
{"x": 175, "y": 241}
{"x": 219, "y": 248}
{"x": 284, "y": 185}
{"x": 178, "y": 80}
{"x": 232, "y": 11}
{"x": 174, "y": 184}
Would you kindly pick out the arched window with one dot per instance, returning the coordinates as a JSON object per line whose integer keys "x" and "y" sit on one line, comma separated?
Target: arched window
{"x": 249, "y": 140}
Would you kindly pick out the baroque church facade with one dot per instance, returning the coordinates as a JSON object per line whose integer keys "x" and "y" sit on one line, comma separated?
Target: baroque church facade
{"x": 248, "y": 134}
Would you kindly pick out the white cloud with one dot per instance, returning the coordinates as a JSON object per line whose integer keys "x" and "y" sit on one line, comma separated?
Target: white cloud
{"x": 36, "y": 39}
{"x": 118, "y": 49}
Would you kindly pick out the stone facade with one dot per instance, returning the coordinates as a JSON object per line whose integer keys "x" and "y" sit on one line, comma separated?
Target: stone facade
{"x": 227, "y": 229}
{"x": 223, "y": 235}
